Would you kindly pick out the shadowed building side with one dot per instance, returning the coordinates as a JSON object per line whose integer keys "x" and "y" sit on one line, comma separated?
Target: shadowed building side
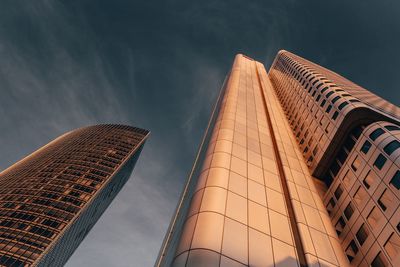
{"x": 51, "y": 199}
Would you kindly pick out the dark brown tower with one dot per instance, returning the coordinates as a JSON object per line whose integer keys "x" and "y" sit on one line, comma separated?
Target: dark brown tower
{"x": 51, "y": 199}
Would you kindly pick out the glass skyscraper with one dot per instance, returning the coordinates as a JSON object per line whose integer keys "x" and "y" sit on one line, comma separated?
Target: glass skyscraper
{"x": 298, "y": 167}
{"x": 51, "y": 199}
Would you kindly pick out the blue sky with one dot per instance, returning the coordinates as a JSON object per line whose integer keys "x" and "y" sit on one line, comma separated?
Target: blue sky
{"x": 159, "y": 65}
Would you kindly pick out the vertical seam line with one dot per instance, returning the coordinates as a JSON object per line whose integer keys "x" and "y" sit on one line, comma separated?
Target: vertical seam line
{"x": 292, "y": 216}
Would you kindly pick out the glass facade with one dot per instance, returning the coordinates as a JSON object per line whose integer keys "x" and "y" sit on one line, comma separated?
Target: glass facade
{"x": 51, "y": 199}
{"x": 292, "y": 171}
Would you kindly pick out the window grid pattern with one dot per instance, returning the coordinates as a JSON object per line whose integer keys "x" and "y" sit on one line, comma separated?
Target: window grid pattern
{"x": 238, "y": 215}
{"x": 317, "y": 100}
{"x": 41, "y": 195}
{"x": 373, "y": 197}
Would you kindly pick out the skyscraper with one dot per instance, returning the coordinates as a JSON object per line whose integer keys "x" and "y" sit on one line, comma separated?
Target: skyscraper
{"x": 51, "y": 199}
{"x": 298, "y": 167}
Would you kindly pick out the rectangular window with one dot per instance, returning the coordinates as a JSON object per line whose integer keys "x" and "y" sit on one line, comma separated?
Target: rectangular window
{"x": 385, "y": 200}
{"x": 396, "y": 180}
{"x": 392, "y": 246}
{"x": 392, "y": 128}
{"x": 351, "y": 250}
{"x": 335, "y": 115}
{"x": 336, "y": 98}
{"x": 338, "y": 192}
{"x": 331, "y": 205}
{"x": 391, "y": 147}
{"x": 341, "y": 106}
{"x": 375, "y": 134}
{"x": 328, "y": 109}
{"x": 380, "y": 161}
{"x": 340, "y": 225}
{"x": 366, "y": 146}
{"x": 379, "y": 261}
{"x": 324, "y": 89}
{"x": 362, "y": 234}
{"x": 329, "y": 94}
{"x": 348, "y": 211}
{"x": 41, "y": 231}
{"x": 10, "y": 261}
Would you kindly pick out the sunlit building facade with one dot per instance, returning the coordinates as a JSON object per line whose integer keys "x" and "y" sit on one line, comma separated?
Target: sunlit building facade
{"x": 51, "y": 199}
{"x": 298, "y": 167}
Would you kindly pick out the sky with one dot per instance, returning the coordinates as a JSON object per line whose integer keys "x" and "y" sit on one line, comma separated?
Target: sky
{"x": 159, "y": 65}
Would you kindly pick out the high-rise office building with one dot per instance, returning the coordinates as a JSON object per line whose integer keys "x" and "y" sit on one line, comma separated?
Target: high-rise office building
{"x": 298, "y": 167}
{"x": 51, "y": 199}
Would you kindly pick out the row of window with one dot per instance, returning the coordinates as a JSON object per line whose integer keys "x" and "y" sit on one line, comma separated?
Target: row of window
{"x": 287, "y": 97}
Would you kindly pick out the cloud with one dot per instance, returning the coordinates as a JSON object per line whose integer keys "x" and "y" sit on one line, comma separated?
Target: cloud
{"x": 158, "y": 66}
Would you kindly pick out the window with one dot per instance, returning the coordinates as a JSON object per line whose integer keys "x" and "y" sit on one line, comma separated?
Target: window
{"x": 335, "y": 115}
{"x": 374, "y": 217}
{"x": 351, "y": 250}
{"x": 323, "y": 103}
{"x": 396, "y": 180}
{"x": 392, "y": 128}
{"x": 356, "y": 164}
{"x": 348, "y": 211}
{"x": 328, "y": 108}
{"x": 338, "y": 192}
{"x": 341, "y": 106}
{"x": 331, "y": 205}
{"x": 10, "y": 261}
{"x": 369, "y": 180}
{"x": 392, "y": 246}
{"x": 51, "y": 223}
{"x": 340, "y": 225}
{"x": 379, "y": 261}
{"x": 41, "y": 231}
{"x": 380, "y": 161}
{"x": 365, "y": 147}
{"x": 336, "y": 98}
{"x": 362, "y": 234}
{"x": 385, "y": 200}
{"x": 329, "y": 94}
{"x": 375, "y": 134}
{"x": 391, "y": 147}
